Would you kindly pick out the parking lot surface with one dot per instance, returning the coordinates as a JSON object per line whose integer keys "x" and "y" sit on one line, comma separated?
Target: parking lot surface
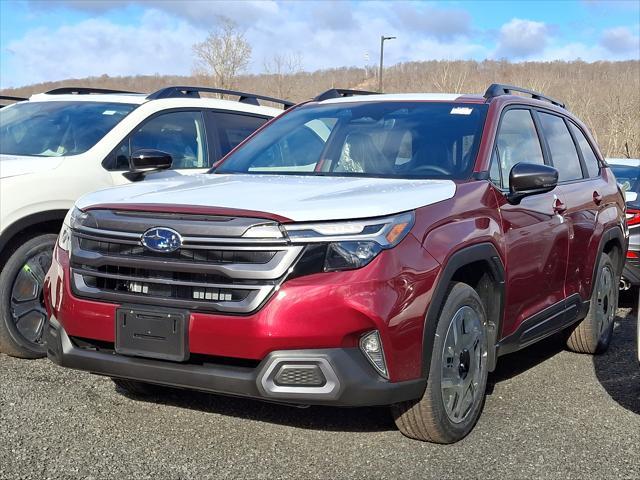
{"x": 549, "y": 414}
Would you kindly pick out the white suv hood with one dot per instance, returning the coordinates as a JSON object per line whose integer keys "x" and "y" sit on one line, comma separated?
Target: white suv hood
{"x": 299, "y": 198}
{"x": 13, "y": 165}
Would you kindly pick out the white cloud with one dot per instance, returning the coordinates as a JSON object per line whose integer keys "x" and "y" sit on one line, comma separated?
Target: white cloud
{"x": 94, "y": 47}
{"x": 327, "y": 34}
{"x": 620, "y": 40}
{"x": 429, "y": 20}
{"x": 520, "y": 39}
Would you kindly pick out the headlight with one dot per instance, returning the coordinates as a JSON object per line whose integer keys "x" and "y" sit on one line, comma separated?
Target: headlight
{"x": 386, "y": 231}
{"x": 72, "y": 218}
{"x": 350, "y": 255}
{"x": 349, "y": 244}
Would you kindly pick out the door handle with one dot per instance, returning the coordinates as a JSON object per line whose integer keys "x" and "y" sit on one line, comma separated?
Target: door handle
{"x": 597, "y": 198}
{"x": 559, "y": 207}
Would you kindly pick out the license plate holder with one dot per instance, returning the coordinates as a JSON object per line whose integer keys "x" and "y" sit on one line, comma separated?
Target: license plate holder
{"x": 152, "y": 333}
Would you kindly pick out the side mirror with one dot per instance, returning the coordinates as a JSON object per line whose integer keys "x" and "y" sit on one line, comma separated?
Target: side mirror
{"x": 527, "y": 179}
{"x": 142, "y": 162}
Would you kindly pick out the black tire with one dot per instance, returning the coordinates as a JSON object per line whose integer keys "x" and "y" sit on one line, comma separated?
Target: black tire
{"x": 15, "y": 336}
{"x": 136, "y": 388}
{"x": 593, "y": 334}
{"x": 427, "y": 419}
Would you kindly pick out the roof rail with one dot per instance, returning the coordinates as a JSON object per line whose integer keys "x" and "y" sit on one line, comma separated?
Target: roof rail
{"x": 498, "y": 89}
{"x": 83, "y": 91}
{"x": 182, "y": 91}
{"x": 15, "y": 99}
{"x": 341, "y": 93}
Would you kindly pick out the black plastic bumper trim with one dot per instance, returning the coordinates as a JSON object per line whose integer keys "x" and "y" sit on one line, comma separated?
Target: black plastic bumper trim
{"x": 359, "y": 385}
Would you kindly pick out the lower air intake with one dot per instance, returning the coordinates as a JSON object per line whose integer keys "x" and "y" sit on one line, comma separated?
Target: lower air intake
{"x": 299, "y": 376}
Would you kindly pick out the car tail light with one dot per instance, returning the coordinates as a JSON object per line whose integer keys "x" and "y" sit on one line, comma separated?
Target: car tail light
{"x": 632, "y": 254}
{"x": 633, "y": 216}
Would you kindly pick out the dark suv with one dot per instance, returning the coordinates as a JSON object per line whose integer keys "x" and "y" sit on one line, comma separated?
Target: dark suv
{"x": 358, "y": 250}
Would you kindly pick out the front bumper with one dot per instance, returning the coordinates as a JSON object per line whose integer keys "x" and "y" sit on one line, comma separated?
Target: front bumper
{"x": 313, "y": 312}
{"x": 349, "y": 379}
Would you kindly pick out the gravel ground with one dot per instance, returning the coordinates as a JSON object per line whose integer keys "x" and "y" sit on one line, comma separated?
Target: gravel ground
{"x": 550, "y": 414}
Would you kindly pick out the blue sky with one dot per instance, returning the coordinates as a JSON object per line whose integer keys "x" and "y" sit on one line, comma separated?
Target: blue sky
{"x": 42, "y": 40}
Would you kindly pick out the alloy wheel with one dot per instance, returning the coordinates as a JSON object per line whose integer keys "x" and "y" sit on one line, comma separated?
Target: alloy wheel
{"x": 606, "y": 299}
{"x": 27, "y": 298}
{"x": 464, "y": 361}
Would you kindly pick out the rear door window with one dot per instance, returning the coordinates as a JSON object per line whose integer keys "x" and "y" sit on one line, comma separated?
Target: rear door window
{"x": 233, "y": 128}
{"x": 590, "y": 159}
{"x": 564, "y": 155}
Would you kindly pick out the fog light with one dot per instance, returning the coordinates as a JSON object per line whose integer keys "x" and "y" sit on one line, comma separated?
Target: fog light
{"x": 371, "y": 346}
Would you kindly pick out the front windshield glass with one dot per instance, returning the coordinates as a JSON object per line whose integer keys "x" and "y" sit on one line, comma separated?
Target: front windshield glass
{"x": 54, "y": 129}
{"x": 627, "y": 176}
{"x": 370, "y": 139}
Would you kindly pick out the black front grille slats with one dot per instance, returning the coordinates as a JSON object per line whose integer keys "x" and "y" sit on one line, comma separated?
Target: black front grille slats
{"x": 184, "y": 254}
{"x": 235, "y": 276}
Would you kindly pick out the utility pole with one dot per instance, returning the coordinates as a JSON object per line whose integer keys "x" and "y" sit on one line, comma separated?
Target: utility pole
{"x": 382, "y": 39}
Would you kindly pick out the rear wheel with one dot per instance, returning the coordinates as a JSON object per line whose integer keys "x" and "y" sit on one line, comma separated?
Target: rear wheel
{"x": 454, "y": 397}
{"x": 593, "y": 334}
{"x": 22, "y": 313}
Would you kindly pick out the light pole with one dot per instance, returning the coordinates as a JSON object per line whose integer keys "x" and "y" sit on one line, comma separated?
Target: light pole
{"x": 382, "y": 39}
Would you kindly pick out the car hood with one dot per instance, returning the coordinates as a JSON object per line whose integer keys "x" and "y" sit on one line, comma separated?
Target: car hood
{"x": 298, "y": 198}
{"x": 13, "y": 165}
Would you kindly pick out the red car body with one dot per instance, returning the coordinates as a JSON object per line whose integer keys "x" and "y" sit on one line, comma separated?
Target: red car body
{"x": 539, "y": 256}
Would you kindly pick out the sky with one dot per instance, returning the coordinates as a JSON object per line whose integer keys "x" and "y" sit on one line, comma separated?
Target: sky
{"x": 47, "y": 40}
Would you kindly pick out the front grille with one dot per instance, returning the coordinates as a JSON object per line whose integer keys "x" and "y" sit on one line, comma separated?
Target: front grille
{"x": 184, "y": 254}
{"x": 216, "y": 269}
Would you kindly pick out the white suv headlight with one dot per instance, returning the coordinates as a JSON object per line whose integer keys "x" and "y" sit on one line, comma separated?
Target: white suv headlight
{"x": 64, "y": 239}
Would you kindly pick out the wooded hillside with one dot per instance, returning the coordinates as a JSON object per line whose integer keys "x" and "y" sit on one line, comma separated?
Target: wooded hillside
{"x": 605, "y": 95}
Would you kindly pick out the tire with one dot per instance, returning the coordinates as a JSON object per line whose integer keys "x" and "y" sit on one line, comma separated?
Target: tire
{"x": 432, "y": 418}
{"x": 136, "y": 388}
{"x": 22, "y": 314}
{"x": 593, "y": 334}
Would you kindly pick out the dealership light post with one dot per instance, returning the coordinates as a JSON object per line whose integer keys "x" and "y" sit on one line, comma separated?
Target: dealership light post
{"x": 382, "y": 39}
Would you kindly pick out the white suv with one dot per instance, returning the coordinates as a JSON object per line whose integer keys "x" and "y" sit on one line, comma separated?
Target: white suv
{"x": 59, "y": 145}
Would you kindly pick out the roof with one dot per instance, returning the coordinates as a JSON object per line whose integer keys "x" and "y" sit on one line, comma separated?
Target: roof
{"x": 140, "y": 98}
{"x": 407, "y": 97}
{"x": 629, "y": 162}
{"x": 135, "y": 98}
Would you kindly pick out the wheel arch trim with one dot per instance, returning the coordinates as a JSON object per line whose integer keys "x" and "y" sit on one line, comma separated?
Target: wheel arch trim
{"x": 484, "y": 252}
{"x": 23, "y": 223}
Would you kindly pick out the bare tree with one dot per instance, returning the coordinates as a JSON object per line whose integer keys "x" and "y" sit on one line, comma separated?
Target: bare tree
{"x": 223, "y": 54}
{"x": 605, "y": 95}
{"x": 283, "y": 68}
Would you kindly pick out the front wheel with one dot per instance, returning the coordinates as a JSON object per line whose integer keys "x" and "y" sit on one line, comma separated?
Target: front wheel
{"x": 22, "y": 313}
{"x": 455, "y": 393}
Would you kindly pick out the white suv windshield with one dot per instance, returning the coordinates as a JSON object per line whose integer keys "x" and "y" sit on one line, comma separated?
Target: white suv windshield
{"x": 375, "y": 139}
{"x": 53, "y": 129}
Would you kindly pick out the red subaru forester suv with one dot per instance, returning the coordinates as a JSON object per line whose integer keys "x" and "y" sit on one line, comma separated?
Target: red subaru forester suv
{"x": 361, "y": 249}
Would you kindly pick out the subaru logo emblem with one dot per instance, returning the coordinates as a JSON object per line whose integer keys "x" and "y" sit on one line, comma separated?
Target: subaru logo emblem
{"x": 163, "y": 240}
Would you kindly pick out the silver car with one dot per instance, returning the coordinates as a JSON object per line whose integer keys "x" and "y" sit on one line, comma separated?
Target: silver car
{"x": 627, "y": 172}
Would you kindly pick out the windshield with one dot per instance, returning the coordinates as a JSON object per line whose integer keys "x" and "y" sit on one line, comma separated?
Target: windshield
{"x": 627, "y": 176}
{"x": 371, "y": 139}
{"x": 54, "y": 129}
